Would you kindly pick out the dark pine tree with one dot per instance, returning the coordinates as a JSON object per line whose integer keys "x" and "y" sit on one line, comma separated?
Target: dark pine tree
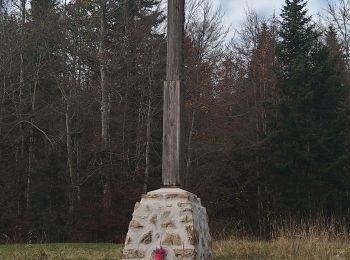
{"x": 307, "y": 157}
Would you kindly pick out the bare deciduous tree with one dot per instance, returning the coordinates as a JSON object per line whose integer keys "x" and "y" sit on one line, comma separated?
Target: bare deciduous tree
{"x": 339, "y": 17}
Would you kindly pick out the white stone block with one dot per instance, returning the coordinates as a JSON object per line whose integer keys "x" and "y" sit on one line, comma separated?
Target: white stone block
{"x": 171, "y": 218}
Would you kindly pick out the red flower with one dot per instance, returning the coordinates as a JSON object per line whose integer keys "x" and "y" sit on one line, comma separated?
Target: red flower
{"x": 159, "y": 253}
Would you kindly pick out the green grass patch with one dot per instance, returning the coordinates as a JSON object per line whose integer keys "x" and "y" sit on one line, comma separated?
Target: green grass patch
{"x": 231, "y": 249}
{"x": 60, "y": 251}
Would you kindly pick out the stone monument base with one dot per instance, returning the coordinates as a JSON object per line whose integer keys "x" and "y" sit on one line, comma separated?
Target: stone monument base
{"x": 170, "y": 218}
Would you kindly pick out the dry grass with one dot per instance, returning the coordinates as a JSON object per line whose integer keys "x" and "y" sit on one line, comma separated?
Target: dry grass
{"x": 303, "y": 249}
{"x": 304, "y": 240}
{"x": 312, "y": 239}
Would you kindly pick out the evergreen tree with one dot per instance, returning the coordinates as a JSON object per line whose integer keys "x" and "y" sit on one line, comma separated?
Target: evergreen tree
{"x": 336, "y": 51}
{"x": 297, "y": 32}
{"x": 306, "y": 142}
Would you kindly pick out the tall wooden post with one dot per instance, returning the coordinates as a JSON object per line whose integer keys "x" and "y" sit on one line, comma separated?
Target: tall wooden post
{"x": 152, "y": 203}
{"x": 172, "y": 160}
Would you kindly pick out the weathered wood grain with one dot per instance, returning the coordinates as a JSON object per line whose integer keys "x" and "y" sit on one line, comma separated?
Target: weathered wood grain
{"x": 172, "y": 160}
{"x": 172, "y": 134}
{"x": 176, "y": 17}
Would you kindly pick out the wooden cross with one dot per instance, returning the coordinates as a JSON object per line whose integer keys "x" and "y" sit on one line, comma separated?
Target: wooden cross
{"x": 172, "y": 160}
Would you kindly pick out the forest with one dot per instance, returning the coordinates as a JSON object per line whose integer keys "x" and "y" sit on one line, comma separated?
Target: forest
{"x": 267, "y": 115}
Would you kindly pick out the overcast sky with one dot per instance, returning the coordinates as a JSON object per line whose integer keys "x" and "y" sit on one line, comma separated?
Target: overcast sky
{"x": 235, "y": 9}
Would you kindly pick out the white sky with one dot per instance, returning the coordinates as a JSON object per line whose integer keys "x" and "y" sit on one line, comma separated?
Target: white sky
{"x": 235, "y": 9}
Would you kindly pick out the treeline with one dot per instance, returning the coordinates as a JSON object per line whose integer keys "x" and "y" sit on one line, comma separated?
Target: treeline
{"x": 267, "y": 124}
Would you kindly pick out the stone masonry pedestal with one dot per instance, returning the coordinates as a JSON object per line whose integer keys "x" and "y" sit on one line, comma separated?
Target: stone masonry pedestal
{"x": 171, "y": 218}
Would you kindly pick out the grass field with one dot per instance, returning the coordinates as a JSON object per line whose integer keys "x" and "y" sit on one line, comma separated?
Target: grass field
{"x": 303, "y": 249}
{"x": 60, "y": 251}
{"x": 282, "y": 249}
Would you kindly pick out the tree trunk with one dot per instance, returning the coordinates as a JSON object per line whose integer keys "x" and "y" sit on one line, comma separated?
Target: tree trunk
{"x": 20, "y": 95}
{"x": 105, "y": 107}
{"x": 105, "y": 100}
{"x": 75, "y": 189}
{"x": 2, "y": 109}
{"x": 31, "y": 137}
{"x": 125, "y": 103}
{"x": 21, "y": 65}
{"x": 148, "y": 135}
{"x": 139, "y": 139}
{"x": 29, "y": 173}
{"x": 189, "y": 151}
